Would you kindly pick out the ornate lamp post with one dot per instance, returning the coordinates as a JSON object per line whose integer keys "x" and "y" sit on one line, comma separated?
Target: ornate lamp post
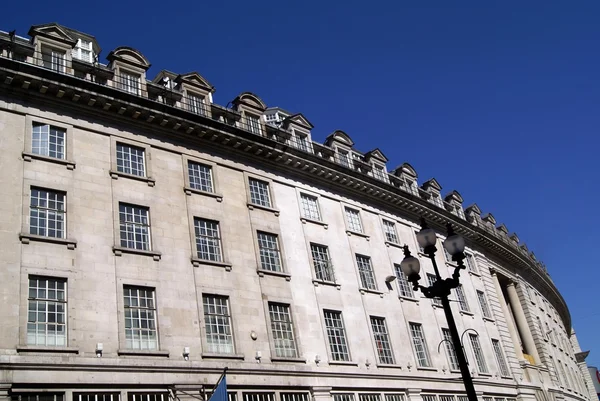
{"x": 455, "y": 245}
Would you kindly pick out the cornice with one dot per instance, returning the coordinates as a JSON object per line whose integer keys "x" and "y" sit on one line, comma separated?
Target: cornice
{"x": 22, "y": 79}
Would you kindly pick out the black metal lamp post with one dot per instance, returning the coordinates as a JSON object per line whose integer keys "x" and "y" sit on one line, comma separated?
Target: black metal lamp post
{"x": 455, "y": 245}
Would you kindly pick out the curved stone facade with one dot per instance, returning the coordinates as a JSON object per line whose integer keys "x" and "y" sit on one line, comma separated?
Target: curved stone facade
{"x": 152, "y": 237}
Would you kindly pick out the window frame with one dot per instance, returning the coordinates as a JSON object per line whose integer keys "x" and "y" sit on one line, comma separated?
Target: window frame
{"x": 478, "y": 354}
{"x": 451, "y": 354}
{"x": 254, "y": 123}
{"x": 362, "y": 280}
{"x": 463, "y": 303}
{"x": 259, "y": 267}
{"x": 28, "y": 154}
{"x": 484, "y": 305}
{"x": 347, "y": 355}
{"x": 189, "y": 190}
{"x": 47, "y": 301}
{"x": 349, "y": 226}
{"x": 124, "y": 85}
{"x": 78, "y": 50}
{"x": 251, "y": 205}
{"x": 503, "y": 368}
{"x": 292, "y": 329}
{"x": 123, "y": 317}
{"x": 331, "y": 272}
{"x": 423, "y": 340}
{"x": 319, "y": 216}
{"x": 218, "y": 238}
{"x": 49, "y": 50}
{"x": 118, "y": 249}
{"x": 389, "y": 228}
{"x": 206, "y": 352}
{"x": 401, "y": 278}
{"x": 47, "y": 211}
{"x": 114, "y": 171}
{"x": 385, "y": 340}
{"x": 432, "y": 278}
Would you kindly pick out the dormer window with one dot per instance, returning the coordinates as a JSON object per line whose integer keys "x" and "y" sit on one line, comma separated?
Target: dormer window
{"x": 343, "y": 158}
{"x": 83, "y": 51}
{"x": 54, "y": 59}
{"x": 379, "y": 172}
{"x": 301, "y": 141}
{"x": 129, "y": 82}
{"x": 253, "y": 124}
{"x": 436, "y": 199}
{"x": 196, "y": 104}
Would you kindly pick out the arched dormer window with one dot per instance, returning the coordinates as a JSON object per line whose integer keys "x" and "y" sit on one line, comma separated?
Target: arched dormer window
{"x": 130, "y": 68}
{"x": 473, "y": 214}
{"x": 342, "y": 144}
{"x": 251, "y": 108}
{"x": 454, "y": 204}
{"x": 406, "y": 178}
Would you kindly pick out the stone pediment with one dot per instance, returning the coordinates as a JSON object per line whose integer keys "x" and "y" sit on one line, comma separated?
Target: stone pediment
{"x": 489, "y": 218}
{"x": 473, "y": 209}
{"x": 514, "y": 238}
{"x": 502, "y": 228}
{"x": 432, "y": 183}
{"x": 405, "y": 169}
{"x": 454, "y": 196}
{"x": 53, "y": 31}
{"x": 300, "y": 120}
{"x": 196, "y": 80}
{"x": 376, "y": 154}
{"x": 340, "y": 137}
{"x": 130, "y": 56}
{"x": 162, "y": 75}
{"x": 251, "y": 100}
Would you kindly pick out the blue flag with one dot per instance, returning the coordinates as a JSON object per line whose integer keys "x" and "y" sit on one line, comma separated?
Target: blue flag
{"x": 220, "y": 393}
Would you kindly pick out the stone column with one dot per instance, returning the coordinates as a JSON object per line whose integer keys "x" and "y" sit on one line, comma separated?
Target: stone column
{"x": 4, "y": 390}
{"x": 414, "y": 394}
{"x": 509, "y": 322}
{"x": 522, "y": 324}
{"x": 321, "y": 393}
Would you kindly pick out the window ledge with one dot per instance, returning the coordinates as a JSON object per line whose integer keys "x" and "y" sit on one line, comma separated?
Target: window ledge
{"x": 343, "y": 363}
{"x": 329, "y": 283}
{"x": 484, "y": 374}
{"x": 41, "y": 348}
{"x": 466, "y": 312}
{"x": 427, "y": 368}
{"x": 287, "y": 359}
{"x": 403, "y": 298}
{"x": 436, "y": 305}
{"x": 358, "y": 234}
{"x": 253, "y": 206}
{"x": 197, "y": 262}
{"x": 190, "y": 191}
{"x": 393, "y": 244}
{"x": 488, "y": 319}
{"x": 506, "y": 377}
{"x": 120, "y": 250}
{"x": 477, "y": 274}
{"x": 262, "y": 272}
{"x": 305, "y": 220}
{"x": 367, "y": 290}
{"x": 116, "y": 174}
{"x": 139, "y": 352}
{"x": 214, "y": 355}
{"x": 26, "y": 238}
{"x": 27, "y": 156}
{"x": 451, "y": 264}
{"x": 389, "y": 366}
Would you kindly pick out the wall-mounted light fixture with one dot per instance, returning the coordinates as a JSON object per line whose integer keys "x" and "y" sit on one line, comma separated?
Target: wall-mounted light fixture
{"x": 186, "y": 353}
{"x": 258, "y": 356}
{"x": 99, "y": 348}
{"x": 317, "y": 359}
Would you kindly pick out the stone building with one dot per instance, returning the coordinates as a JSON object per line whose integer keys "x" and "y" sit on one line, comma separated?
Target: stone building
{"x": 150, "y": 237}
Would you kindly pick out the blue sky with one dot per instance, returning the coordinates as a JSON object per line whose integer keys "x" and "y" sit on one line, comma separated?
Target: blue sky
{"x": 498, "y": 100}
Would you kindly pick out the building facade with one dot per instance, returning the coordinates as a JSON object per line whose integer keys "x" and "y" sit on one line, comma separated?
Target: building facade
{"x": 150, "y": 237}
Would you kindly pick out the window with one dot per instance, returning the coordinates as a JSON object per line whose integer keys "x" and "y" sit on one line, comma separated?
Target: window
{"x": 369, "y": 397}
{"x": 379, "y": 172}
{"x": 322, "y": 263}
{"x": 47, "y": 311}
{"x": 365, "y": 271}
{"x": 109, "y": 396}
{"x": 196, "y": 104}
{"x": 301, "y": 141}
{"x": 403, "y": 285}
{"x": 208, "y": 240}
{"x": 462, "y": 299}
{"x": 342, "y": 158}
{"x": 259, "y": 192}
{"x": 343, "y": 397}
{"x": 431, "y": 278}
{"x": 83, "y": 51}
{"x": 140, "y": 318}
{"x": 200, "y": 176}
{"x": 270, "y": 255}
{"x": 310, "y": 207}
{"x": 157, "y": 396}
{"x": 131, "y": 160}
{"x": 389, "y": 229}
{"x": 452, "y": 357}
{"x": 134, "y": 226}
{"x": 436, "y": 200}
{"x": 470, "y": 262}
{"x": 54, "y": 59}
{"x": 217, "y": 323}
{"x": 253, "y": 124}
{"x": 37, "y": 396}
{"x": 353, "y": 219}
{"x": 485, "y": 309}
{"x": 48, "y": 140}
{"x": 129, "y": 82}
{"x": 336, "y": 335}
{"x": 259, "y": 396}
{"x": 500, "y": 358}
{"x": 419, "y": 345}
{"x": 282, "y": 330}
{"x": 429, "y": 397}
{"x": 394, "y": 397}
{"x": 446, "y": 397}
{"x": 47, "y": 213}
{"x": 460, "y": 212}
{"x": 295, "y": 397}
{"x": 382, "y": 341}
{"x": 447, "y": 256}
{"x": 478, "y": 352}
{"x": 421, "y": 249}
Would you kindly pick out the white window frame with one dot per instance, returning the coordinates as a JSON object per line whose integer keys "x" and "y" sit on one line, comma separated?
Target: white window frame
{"x": 450, "y": 350}
{"x": 431, "y": 279}
{"x": 339, "y": 349}
{"x": 282, "y": 330}
{"x": 389, "y": 231}
{"x": 39, "y": 330}
{"x": 200, "y": 176}
{"x": 270, "y": 257}
{"x": 500, "y": 359}
{"x": 463, "y": 304}
{"x": 366, "y": 272}
{"x": 147, "y": 336}
{"x": 218, "y": 330}
{"x": 129, "y": 225}
{"x": 404, "y": 287}
{"x": 381, "y": 338}
{"x": 353, "y": 220}
{"x": 478, "y": 353}
{"x": 309, "y": 206}
{"x": 196, "y": 103}
{"x": 79, "y": 51}
{"x": 208, "y": 240}
{"x": 253, "y": 123}
{"x": 483, "y": 304}
{"x": 124, "y": 158}
{"x": 54, "y": 59}
{"x": 53, "y": 218}
{"x": 322, "y": 264}
{"x": 419, "y": 344}
{"x": 130, "y": 82}
{"x": 48, "y": 136}
{"x": 259, "y": 192}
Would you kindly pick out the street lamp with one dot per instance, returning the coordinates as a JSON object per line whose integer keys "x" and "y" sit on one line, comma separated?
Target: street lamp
{"x": 455, "y": 245}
